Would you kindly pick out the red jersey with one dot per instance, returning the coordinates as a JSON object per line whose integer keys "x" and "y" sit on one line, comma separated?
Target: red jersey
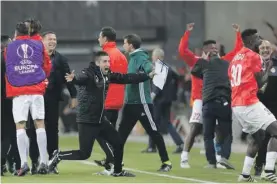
{"x": 190, "y": 58}
{"x": 119, "y": 64}
{"x": 241, "y": 74}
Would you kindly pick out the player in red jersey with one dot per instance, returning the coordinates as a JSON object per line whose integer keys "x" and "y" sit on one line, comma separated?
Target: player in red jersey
{"x": 190, "y": 58}
{"x": 247, "y": 76}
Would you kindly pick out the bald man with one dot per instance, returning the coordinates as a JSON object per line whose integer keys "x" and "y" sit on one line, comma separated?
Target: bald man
{"x": 268, "y": 97}
{"x": 162, "y": 96}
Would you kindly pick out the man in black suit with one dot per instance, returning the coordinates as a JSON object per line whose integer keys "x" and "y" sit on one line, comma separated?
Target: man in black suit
{"x": 53, "y": 96}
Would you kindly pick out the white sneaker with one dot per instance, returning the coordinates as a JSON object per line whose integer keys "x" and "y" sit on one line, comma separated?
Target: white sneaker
{"x": 269, "y": 177}
{"x": 248, "y": 179}
{"x": 220, "y": 166}
{"x": 185, "y": 164}
{"x": 105, "y": 173}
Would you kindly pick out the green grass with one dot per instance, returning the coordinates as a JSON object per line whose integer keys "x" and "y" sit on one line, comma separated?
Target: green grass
{"x": 77, "y": 172}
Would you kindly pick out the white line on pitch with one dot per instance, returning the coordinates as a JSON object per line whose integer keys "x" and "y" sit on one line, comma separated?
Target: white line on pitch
{"x": 157, "y": 174}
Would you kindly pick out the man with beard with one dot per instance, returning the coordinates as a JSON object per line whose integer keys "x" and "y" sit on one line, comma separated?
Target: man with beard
{"x": 93, "y": 85}
{"x": 268, "y": 96}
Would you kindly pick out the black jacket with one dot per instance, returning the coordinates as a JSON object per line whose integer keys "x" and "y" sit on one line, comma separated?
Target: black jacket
{"x": 169, "y": 91}
{"x": 269, "y": 97}
{"x": 216, "y": 82}
{"x": 56, "y": 79}
{"x": 92, "y": 91}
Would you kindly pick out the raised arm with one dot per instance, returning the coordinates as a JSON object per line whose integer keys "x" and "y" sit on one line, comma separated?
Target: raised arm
{"x": 187, "y": 55}
{"x": 238, "y": 44}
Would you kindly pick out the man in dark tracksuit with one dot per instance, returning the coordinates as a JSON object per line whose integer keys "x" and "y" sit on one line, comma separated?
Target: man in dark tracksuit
{"x": 52, "y": 98}
{"x": 269, "y": 98}
{"x": 8, "y": 130}
{"x": 138, "y": 102}
{"x": 162, "y": 98}
{"x": 216, "y": 105}
{"x": 93, "y": 85}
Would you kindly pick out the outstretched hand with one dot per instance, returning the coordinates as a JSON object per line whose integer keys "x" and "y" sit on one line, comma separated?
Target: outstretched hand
{"x": 69, "y": 77}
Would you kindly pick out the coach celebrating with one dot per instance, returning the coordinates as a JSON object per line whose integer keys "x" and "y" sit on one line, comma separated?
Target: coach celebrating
{"x": 216, "y": 103}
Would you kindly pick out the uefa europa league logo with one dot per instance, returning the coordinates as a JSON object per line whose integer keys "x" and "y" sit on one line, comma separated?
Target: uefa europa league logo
{"x": 24, "y": 48}
{"x": 25, "y": 52}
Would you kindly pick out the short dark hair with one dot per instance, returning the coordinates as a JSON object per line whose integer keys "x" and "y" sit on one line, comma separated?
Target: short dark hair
{"x": 208, "y": 42}
{"x": 99, "y": 54}
{"x": 133, "y": 39}
{"x": 109, "y": 33}
{"x": 35, "y": 26}
{"x": 248, "y": 32}
{"x": 22, "y": 29}
{"x": 47, "y": 32}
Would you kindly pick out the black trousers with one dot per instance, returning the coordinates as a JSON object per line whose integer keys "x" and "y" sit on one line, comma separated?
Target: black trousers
{"x": 9, "y": 148}
{"x": 162, "y": 118}
{"x": 261, "y": 158}
{"x": 51, "y": 127}
{"x": 142, "y": 112}
{"x": 220, "y": 110}
{"x": 112, "y": 115}
{"x": 87, "y": 135}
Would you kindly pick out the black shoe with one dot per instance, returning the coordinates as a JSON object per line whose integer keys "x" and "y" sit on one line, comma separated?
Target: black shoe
{"x": 165, "y": 168}
{"x": 34, "y": 168}
{"x": 42, "y": 169}
{"x": 149, "y": 150}
{"x": 54, "y": 171}
{"x": 124, "y": 174}
{"x": 258, "y": 170}
{"x": 54, "y": 161}
{"x": 23, "y": 170}
{"x": 179, "y": 149}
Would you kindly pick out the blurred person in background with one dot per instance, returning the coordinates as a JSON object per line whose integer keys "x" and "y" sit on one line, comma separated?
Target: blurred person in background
{"x": 115, "y": 96}
{"x": 138, "y": 102}
{"x": 162, "y": 100}
{"x": 190, "y": 58}
{"x": 9, "y": 150}
{"x": 268, "y": 96}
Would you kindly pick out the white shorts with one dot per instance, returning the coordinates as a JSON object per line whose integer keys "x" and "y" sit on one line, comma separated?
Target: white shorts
{"x": 196, "y": 114}
{"x": 25, "y": 103}
{"x": 253, "y": 117}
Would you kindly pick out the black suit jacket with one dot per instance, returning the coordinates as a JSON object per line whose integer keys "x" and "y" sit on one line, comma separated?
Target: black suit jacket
{"x": 56, "y": 79}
